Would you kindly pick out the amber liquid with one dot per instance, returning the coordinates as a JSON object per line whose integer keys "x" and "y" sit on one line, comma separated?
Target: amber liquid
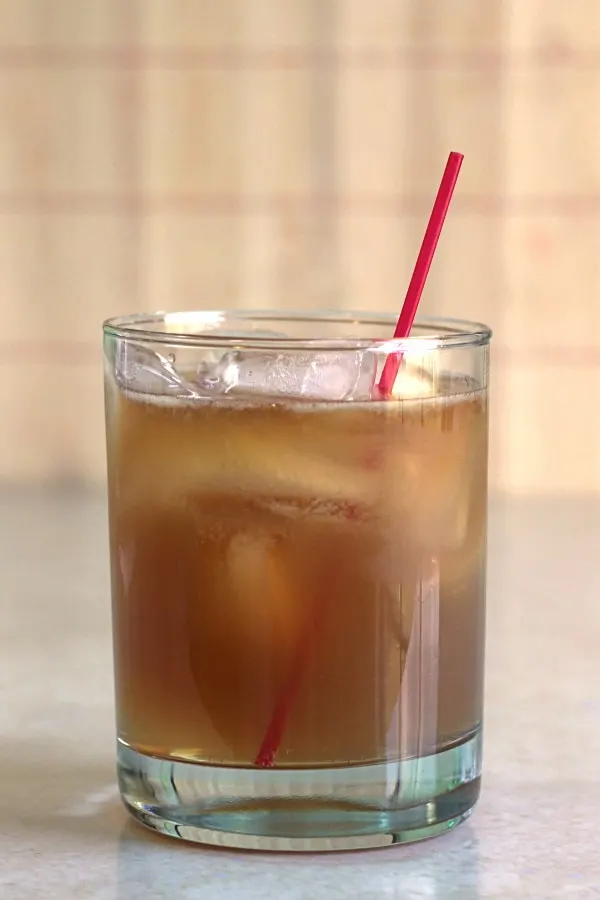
{"x": 324, "y": 561}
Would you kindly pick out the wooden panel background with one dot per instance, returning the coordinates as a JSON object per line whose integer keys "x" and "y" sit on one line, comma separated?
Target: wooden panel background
{"x": 180, "y": 153}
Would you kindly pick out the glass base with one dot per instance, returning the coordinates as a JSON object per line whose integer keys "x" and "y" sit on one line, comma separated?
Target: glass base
{"x": 345, "y": 808}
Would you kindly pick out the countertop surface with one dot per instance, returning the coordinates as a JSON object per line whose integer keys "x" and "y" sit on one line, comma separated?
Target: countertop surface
{"x": 534, "y": 834}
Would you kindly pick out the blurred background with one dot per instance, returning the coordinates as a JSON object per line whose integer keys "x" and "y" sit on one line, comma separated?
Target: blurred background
{"x": 168, "y": 154}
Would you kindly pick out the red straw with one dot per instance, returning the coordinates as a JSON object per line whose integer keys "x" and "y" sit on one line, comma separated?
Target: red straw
{"x": 274, "y": 733}
{"x": 422, "y": 266}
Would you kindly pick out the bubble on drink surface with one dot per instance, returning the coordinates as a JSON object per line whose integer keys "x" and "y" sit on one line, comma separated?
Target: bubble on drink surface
{"x": 333, "y": 376}
{"x": 144, "y": 371}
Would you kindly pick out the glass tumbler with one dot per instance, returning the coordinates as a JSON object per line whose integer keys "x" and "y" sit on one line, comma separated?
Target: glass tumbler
{"x": 298, "y": 575}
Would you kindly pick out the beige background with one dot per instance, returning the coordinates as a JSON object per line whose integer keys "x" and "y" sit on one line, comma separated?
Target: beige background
{"x": 181, "y": 153}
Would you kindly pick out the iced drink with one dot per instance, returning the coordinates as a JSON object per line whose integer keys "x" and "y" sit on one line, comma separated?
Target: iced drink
{"x": 246, "y": 529}
{"x": 297, "y": 570}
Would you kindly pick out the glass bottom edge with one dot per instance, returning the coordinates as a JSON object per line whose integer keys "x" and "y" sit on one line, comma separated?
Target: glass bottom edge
{"x": 348, "y": 808}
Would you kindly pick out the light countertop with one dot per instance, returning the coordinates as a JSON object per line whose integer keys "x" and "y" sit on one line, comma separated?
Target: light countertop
{"x": 535, "y": 832}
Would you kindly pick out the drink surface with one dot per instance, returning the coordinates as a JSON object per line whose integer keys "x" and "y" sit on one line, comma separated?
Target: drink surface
{"x": 332, "y": 554}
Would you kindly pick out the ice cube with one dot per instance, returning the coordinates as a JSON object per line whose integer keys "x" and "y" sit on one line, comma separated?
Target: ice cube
{"x": 143, "y": 371}
{"x": 264, "y": 607}
{"x": 432, "y": 469}
{"x": 308, "y": 376}
{"x": 413, "y": 382}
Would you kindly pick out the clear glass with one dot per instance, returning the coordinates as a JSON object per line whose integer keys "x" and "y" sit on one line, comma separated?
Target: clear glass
{"x": 298, "y": 575}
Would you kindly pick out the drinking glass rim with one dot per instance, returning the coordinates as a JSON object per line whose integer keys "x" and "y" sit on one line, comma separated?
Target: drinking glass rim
{"x": 440, "y": 332}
